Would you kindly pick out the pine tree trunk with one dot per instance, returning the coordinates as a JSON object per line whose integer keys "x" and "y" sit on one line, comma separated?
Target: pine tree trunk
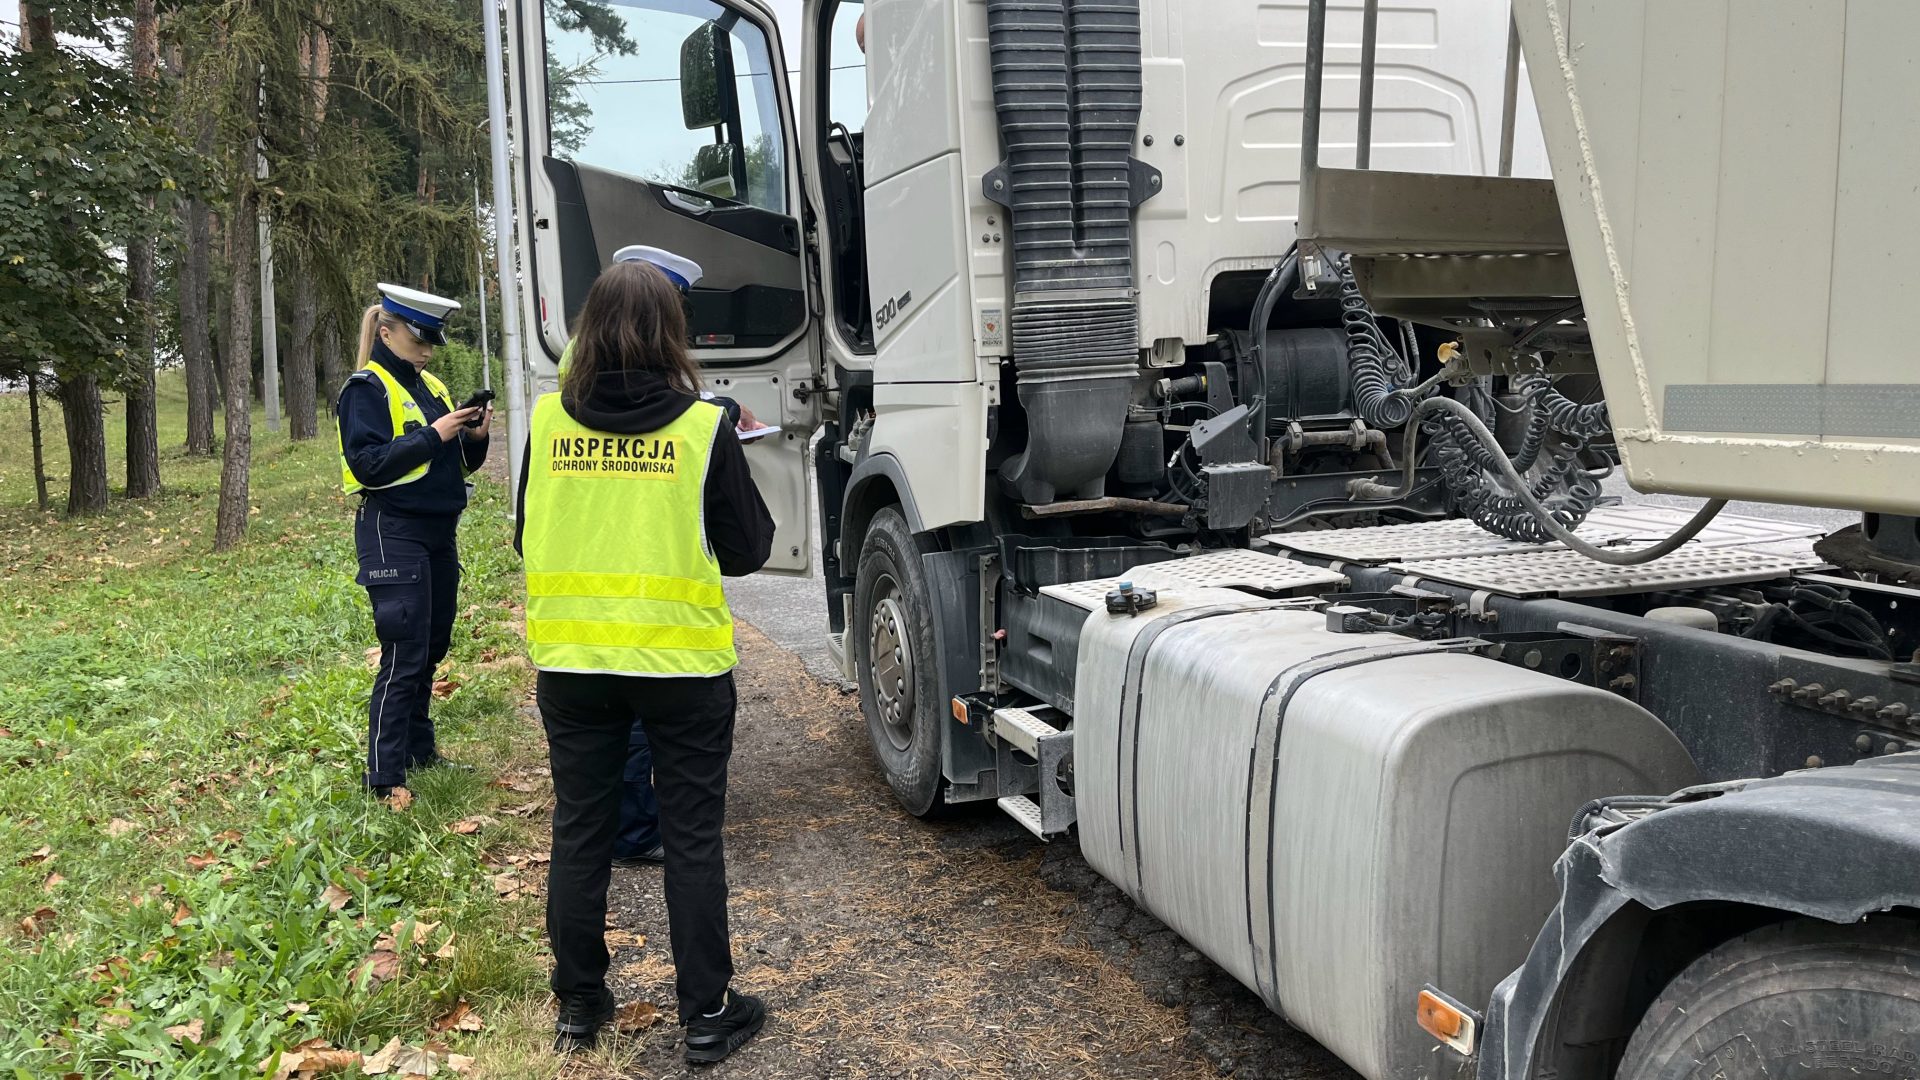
{"x": 143, "y": 423}
{"x": 333, "y": 365}
{"x": 195, "y": 266}
{"x": 86, "y": 424}
{"x": 299, "y": 367}
{"x": 196, "y": 346}
{"x": 39, "y": 450}
{"x": 236, "y": 459}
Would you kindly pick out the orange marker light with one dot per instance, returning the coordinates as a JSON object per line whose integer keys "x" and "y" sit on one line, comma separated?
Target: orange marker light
{"x": 959, "y": 710}
{"x": 1446, "y": 1020}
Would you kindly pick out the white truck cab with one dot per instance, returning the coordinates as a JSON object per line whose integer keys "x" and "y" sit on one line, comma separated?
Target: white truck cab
{"x": 1186, "y": 389}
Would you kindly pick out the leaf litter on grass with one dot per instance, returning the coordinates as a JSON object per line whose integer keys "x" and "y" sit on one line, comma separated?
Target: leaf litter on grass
{"x": 253, "y": 660}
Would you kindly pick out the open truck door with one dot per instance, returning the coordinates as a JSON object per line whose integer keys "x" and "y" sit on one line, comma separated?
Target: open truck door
{"x": 668, "y": 123}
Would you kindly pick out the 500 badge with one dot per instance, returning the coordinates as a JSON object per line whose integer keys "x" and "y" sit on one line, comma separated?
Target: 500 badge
{"x": 886, "y": 312}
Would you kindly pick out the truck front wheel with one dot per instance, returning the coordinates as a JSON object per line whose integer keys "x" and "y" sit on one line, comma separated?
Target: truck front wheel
{"x": 894, "y": 658}
{"x": 1794, "y": 1001}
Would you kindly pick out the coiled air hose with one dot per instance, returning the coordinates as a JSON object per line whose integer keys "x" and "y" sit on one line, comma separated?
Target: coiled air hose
{"x": 1518, "y": 489}
{"x": 1377, "y": 393}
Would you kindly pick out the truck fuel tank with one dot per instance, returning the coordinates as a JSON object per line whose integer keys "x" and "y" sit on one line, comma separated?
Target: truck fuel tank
{"x": 1339, "y": 819}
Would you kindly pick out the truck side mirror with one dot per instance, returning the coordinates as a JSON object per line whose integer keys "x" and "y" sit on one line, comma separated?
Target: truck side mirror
{"x": 706, "y": 77}
{"x": 714, "y": 168}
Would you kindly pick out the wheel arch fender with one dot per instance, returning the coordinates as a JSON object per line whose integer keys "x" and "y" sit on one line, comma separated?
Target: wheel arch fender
{"x": 878, "y": 480}
{"x": 1641, "y": 901}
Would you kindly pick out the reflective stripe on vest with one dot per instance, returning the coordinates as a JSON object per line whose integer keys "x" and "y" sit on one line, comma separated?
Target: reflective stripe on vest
{"x": 400, "y": 408}
{"x": 620, "y": 578}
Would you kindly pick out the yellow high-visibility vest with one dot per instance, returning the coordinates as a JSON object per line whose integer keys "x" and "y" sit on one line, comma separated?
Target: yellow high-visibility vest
{"x": 401, "y": 408}
{"x": 620, "y": 577}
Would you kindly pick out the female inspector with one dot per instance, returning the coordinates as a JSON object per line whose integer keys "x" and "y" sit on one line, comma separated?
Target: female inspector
{"x": 406, "y": 451}
{"x": 637, "y": 500}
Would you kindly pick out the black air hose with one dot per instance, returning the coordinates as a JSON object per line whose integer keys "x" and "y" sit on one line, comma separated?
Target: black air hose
{"x": 1377, "y": 365}
{"x": 1518, "y": 487}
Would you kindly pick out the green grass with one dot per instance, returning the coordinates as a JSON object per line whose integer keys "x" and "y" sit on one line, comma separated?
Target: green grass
{"x": 161, "y": 704}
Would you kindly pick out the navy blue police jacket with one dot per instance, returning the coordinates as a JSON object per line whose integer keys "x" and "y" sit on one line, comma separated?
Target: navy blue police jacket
{"x": 377, "y": 458}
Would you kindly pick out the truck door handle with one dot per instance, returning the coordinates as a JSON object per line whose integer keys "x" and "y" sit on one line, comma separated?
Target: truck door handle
{"x": 685, "y": 205}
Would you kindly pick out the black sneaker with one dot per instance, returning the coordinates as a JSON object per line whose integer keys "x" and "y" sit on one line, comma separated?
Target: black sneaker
{"x": 654, "y": 856}
{"x": 712, "y": 1038}
{"x": 580, "y": 1020}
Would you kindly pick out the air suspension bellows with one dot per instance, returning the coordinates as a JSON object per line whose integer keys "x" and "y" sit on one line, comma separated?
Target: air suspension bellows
{"x": 1066, "y": 88}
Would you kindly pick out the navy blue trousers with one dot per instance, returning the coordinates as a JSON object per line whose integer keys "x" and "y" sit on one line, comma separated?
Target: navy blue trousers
{"x": 411, "y": 570}
{"x": 639, "y": 805}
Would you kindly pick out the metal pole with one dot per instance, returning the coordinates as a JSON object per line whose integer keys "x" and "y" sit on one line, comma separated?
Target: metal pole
{"x": 1369, "y": 45}
{"x": 1310, "y": 107}
{"x": 1310, "y": 140}
{"x": 503, "y": 248}
{"x": 480, "y": 260}
{"x": 1509, "y": 96}
{"x": 269, "y": 331}
{"x": 269, "y": 328}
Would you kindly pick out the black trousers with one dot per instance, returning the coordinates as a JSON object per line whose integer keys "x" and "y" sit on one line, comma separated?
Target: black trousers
{"x": 689, "y": 725}
{"x": 411, "y": 570}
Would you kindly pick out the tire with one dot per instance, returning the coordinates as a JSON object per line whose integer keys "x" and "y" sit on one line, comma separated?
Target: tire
{"x": 896, "y": 663}
{"x": 1794, "y": 1001}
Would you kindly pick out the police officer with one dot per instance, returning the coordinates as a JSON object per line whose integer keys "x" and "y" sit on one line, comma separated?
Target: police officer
{"x": 636, "y": 499}
{"x": 406, "y": 450}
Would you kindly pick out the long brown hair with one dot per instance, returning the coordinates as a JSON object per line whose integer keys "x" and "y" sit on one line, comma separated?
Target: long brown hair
{"x": 633, "y": 320}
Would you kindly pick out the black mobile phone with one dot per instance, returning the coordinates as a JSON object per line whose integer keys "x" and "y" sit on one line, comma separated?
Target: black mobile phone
{"x": 479, "y": 398}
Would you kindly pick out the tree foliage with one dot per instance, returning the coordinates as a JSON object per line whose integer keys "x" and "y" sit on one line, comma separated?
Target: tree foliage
{"x": 86, "y": 150}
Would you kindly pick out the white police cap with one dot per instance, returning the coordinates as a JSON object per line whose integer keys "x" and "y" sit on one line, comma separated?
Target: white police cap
{"x": 680, "y": 270}
{"x": 424, "y": 313}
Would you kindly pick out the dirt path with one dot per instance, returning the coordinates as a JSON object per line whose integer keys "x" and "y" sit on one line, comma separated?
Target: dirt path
{"x": 891, "y": 947}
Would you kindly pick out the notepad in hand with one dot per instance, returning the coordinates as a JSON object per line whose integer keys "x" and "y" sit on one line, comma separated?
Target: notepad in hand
{"x": 757, "y": 433}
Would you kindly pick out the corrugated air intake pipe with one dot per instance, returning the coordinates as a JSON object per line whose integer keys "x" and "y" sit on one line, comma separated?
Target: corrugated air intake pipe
{"x": 1066, "y": 87}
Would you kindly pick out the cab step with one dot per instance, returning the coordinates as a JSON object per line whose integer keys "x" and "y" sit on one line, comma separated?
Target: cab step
{"x": 1025, "y": 811}
{"x": 1033, "y": 757}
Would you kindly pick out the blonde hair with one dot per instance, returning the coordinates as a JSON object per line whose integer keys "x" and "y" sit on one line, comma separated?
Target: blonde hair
{"x": 370, "y": 322}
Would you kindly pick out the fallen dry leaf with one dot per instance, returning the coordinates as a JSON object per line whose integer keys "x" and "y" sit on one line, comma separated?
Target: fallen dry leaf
{"x": 202, "y": 860}
{"x": 53, "y": 882}
{"x": 119, "y": 827}
{"x": 181, "y": 913}
{"x": 626, "y": 939}
{"x": 111, "y": 969}
{"x": 373, "y": 657}
{"x": 119, "y": 1018}
{"x": 444, "y": 688}
{"x": 468, "y": 826}
{"x": 635, "y": 1016}
{"x": 399, "y": 800}
{"x": 402, "y": 1059}
{"x": 231, "y": 836}
{"x": 335, "y": 897}
{"x": 298, "y": 1008}
{"x": 422, "y": 931}
{"x": 445, "y": 951}
{"x": 358, "y": 873}
{"x": 459, "y": 1018}
{"x": 39, "y": 856}
{"x": 379, "y": 966}
{"x": 506, "y": 885}
{"x": 527, "y": 809}
{"x": 6, "y": 733}
{"x": 315, "y": 1057}
{"x": 188, "y": 1032}
{"x": 37, "y": 924}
